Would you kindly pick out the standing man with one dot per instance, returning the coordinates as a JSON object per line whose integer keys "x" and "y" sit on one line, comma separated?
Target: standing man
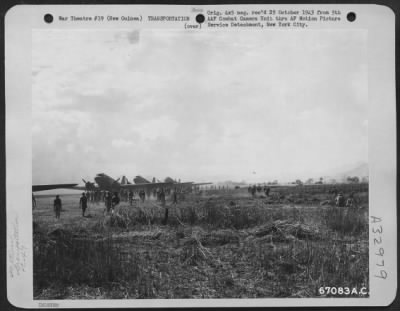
{"x": 174, "y": 197}
{"x": 115, "y": 200}
{"x": 253, "y": 191}
{"x": 350, "y": 200}
{"x": 142, "y": 195}
{"x": 130, "y": 196}
{"x": 162, "y": 200}
{"x": 57, "y": 206}
{"x": 162, "y": 197}
{"x": 83, "y": 203}
{"x": 108, "y": 202}
{"x": 340, "y": 201}
{"x": 104, "y": 196}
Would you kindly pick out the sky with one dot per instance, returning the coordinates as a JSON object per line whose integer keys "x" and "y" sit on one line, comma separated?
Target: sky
{"x": 198, "y": 105}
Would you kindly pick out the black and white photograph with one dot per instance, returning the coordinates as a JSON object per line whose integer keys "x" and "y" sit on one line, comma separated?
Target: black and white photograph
{"x": 252, "y": 150}
{"x": 171, "y": 163}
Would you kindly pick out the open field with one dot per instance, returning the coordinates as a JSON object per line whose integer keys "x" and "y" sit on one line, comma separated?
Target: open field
{"x": 221, "y": 244}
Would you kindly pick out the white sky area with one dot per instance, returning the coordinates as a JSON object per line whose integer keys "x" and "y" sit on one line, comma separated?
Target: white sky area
{"x": 199, "y": 106}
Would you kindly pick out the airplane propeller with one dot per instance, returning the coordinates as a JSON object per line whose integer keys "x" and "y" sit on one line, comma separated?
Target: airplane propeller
{"x": 89, "y": 185}
{"x": 116, "y": 183}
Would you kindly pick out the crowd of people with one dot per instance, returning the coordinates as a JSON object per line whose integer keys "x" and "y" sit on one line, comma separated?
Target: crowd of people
{"x": 258, "y": 188}
{"x": 112, "y": 199}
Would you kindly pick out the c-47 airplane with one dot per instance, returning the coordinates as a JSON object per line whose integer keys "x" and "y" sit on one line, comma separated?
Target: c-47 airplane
{"x": 104, "y": 182}
{"x": 170, "y": 182}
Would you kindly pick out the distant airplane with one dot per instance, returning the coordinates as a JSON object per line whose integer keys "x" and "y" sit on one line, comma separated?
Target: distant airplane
{"x": 139, "y": 180}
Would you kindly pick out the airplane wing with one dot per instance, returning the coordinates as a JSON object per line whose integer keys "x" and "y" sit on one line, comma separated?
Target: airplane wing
{"x": 53, "y": 186}
{"x": 148, "y": 186}
{"x": 83, "y": 188}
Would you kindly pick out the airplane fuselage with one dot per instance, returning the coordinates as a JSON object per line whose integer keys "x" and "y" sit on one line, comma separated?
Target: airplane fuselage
{"x": 106, "y": 183}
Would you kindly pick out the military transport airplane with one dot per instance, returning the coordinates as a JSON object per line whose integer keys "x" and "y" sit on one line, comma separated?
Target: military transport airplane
{"x": 189, "y": 183}
{"x": 104, "y": 182}
{"x": 171, "y": 183}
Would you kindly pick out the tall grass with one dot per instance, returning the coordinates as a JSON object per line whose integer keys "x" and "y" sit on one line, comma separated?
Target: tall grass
{"x": 210, "y": 248}
{"x": 346, "y": 220}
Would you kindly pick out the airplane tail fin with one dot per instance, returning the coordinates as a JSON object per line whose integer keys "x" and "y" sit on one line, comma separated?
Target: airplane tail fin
{"x": 124, "y": 181}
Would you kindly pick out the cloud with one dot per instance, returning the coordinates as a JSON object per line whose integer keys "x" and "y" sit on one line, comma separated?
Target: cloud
{"x": 121, "y": 143}
{"x": 197, "y": 104}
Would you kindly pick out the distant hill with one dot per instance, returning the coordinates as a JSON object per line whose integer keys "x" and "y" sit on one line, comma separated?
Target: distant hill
{"x": 340, "y": 174}
{"x": 360, "y": 171}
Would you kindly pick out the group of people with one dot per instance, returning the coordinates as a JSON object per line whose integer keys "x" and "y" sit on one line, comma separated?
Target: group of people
{"x": 340, "y": 200}
{"x": 257, "y": 188}
{"x": 112, "y": 199}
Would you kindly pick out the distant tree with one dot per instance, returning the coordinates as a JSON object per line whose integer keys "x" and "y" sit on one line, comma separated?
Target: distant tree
{"x": 298, "y": 182}
{"x": 310, "y": 181}
{"x": 275, "y": 182}
{"x": 353, "y": 180}
{"x": 365, "y": 179}
{"x": 321, "y": 179}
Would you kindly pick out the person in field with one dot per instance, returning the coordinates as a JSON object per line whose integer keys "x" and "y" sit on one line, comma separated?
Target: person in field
{"x": 253, "y": 191}
{"x": 97, "y": 196}
{"x": 174, "y": 197}
{"x": 57, "y": 206}
{"x": 115, "y": 200}
{"x": 83, "y": 203}
{"x": 162, "y": 200}
{"x": 162, "y": 197}
{"x": 130, "y": 197}
{"x": 340, "y": 201}
{"x": 108, "y": 202}
{"x": 142, "y": 195}
{"x": 104, "y": 196}
{"x": 266, "y": 190}
{"x": 350, "y": 201}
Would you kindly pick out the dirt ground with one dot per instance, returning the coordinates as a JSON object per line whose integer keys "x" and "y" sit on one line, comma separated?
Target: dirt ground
{"x": 220, "y": 244}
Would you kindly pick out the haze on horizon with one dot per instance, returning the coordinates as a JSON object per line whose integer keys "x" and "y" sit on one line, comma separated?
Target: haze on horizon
{"x": 200, "y": 106}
